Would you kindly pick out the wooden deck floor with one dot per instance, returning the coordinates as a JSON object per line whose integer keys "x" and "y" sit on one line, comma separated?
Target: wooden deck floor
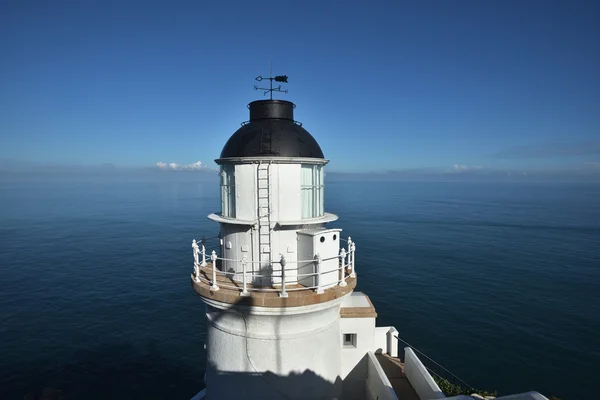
{"x": 264, "y": 296}
{"x": 394, "y": 370}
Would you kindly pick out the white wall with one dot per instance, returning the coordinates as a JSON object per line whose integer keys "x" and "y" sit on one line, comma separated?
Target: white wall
{"x": 236, "y": 244}
{"x": 419, "y": 377}
{"x": 297, "y": 351}
{"x": 386, "y": 340}
{"x": 380, "y": 340}
{"x": 378, "y": 386}
{"x": 309, "y": 244}
{"x": 286, "y": 206}
{"x": 364, "y": 329}
{"x": 284, "y": 242}
{"x": 285, "y": 191}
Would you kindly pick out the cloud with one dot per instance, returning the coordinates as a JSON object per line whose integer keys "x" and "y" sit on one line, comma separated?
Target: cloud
{"x": 551, "y": 150}
{"x": 465, "y": 168}
{"x": 197, "y": 166}
{"x": 593, "y": 164}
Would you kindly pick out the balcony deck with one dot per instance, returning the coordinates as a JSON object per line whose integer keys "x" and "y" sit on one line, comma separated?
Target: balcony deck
{"x": 394, "y": 370}
{"x": 265, "y": 296}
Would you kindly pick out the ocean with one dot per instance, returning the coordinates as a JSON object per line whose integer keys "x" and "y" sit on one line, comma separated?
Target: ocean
{"x": 498, "y": 282}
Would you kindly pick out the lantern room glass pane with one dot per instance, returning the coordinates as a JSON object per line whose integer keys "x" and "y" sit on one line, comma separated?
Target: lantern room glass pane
{"x": 312, "y": 191}
{"x": 228, "y": 190}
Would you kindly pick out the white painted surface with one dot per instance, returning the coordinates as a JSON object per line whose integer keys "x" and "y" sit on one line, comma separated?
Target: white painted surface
{"x": 378, "y": 386}
{"x": 364, "y": 329}
{"x": 319, "y": 241}
{"x": 285, "y": 244}
{"x": 380, "y": 339}
{"x": 235, "y": 238}
{"x": 356, "y": 299}
{"x": 419, "y": 378}
{"x": 245, "y": 181}
{"x": 226, "y": 220}
{"x": 392, "y": 342}
{"x": 285, "y": 191}
{"x": 285, "y": 205}
{"x": 327, "y": 217}
{"x": 297, "y": 353}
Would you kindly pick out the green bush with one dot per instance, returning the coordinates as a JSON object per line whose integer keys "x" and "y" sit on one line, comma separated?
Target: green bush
{"x": 450, "y": 389}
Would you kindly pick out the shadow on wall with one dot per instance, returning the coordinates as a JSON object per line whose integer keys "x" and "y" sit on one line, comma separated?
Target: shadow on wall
{"x": 112, "y": 371}
{"x": 267, "y": 385}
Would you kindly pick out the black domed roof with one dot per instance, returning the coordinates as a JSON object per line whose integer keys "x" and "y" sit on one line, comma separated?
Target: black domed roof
{"x": 271, "y": 132}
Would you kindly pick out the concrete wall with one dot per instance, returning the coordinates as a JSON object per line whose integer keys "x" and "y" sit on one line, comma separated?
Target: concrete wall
{"x": 419, "y": 377}
{"x": 274, "y": 353}
{"x": 364, "y": 329}
{"x": 378, "y": 386}
{"x": 386, "y": 340}
{"x": 380, "y": 339}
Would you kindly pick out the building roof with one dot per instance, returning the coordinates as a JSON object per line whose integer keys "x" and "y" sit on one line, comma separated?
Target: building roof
{"x": 271, "y": 132}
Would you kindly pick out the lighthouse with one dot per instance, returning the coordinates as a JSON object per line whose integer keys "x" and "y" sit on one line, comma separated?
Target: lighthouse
{"x": 274, "y": 286}
{"x": 283, "y": 318}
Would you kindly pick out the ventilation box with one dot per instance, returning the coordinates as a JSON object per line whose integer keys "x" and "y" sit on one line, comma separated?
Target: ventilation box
{"x": 326, "y": 243}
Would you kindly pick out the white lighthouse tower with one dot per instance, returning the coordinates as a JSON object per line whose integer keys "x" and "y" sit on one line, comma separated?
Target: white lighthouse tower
{"x": 274, "y": 287}
{"x": 284, "y": 321}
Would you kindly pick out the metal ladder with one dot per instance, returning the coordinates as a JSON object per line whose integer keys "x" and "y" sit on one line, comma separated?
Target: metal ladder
{"x": 263, "y": 183}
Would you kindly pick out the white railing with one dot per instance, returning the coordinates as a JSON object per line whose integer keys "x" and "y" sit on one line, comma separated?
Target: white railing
{"x": 345, "y": 270}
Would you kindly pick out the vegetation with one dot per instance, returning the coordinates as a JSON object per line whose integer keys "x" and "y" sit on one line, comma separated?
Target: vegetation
{"x": 450, "y": 389}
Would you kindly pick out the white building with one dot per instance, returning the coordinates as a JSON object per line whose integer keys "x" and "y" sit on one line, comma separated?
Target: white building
{"x": 284, "y": 321}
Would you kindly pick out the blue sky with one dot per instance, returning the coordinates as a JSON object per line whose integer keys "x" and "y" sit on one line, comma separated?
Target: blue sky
{"x": 383, "y": 86}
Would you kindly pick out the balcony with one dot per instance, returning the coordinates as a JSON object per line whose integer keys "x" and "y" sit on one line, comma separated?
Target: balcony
{"x": 281, "y": 283}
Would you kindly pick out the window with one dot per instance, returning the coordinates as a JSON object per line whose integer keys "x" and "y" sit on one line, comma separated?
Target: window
{"x": 349, "y": 340}
{"x": 312, "y": 191}
{"x": 228, "y": 190}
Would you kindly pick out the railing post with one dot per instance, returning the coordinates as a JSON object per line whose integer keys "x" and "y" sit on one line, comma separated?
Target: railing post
{"x": 350, "y": 255}
{"x": 283, "y": 292}
{"x": 318, "y": 273}
{"x": 203, "y": 255}
{"x": 353, "y": 269}
{"x": 213, "y": 258}
{"x": 196, "y": 266}
{"x": 343, "y": 267}
{"x": 244, "y": 279}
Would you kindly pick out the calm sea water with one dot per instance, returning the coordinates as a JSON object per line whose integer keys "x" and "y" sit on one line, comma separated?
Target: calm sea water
{"x": 498, "y": 282}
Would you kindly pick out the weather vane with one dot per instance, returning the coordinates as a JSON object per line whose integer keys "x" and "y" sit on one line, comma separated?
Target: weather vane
{"x": 279, "y": 78}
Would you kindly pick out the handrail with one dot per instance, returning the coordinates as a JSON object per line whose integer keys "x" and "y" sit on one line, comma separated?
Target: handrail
{"x": 345, "y": 270}
{"x": 467, "y": 386}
